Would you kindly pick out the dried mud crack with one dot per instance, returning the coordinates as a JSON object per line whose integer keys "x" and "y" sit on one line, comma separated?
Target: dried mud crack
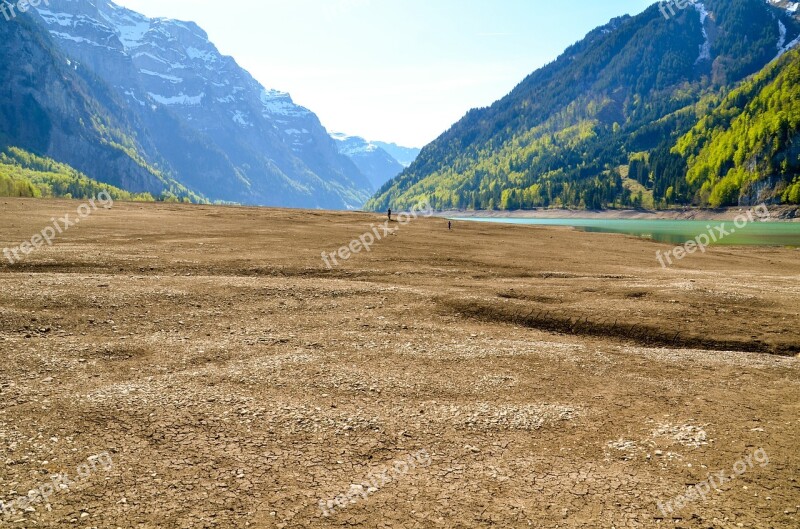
{"x": 234, "y": 381}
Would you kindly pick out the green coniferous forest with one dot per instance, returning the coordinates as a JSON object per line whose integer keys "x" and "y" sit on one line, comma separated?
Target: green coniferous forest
{"x": 23, "y": 174}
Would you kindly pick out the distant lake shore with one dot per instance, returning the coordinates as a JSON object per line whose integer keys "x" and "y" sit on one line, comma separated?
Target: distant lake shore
{"x": 778, "y": 213}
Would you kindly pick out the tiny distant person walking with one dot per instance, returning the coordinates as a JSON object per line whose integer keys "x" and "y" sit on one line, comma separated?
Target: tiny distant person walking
{"x": 449, "y": 225}
{"x": 390, "y": 213}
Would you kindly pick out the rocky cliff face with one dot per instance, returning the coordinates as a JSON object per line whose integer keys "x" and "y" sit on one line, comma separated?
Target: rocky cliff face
{"x": 211, "y": 123}
{"x": 54, "y": 107}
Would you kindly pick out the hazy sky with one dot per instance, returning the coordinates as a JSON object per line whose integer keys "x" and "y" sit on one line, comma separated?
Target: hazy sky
{"x": 392, "y": 70}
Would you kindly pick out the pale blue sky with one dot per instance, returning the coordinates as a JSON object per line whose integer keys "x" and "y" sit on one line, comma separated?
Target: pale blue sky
{"x": 392, "y": 70}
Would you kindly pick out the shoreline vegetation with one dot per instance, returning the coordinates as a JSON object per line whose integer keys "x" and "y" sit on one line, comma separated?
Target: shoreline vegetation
{"x": 777, "y": 213}
{"x": 782, "y": 213}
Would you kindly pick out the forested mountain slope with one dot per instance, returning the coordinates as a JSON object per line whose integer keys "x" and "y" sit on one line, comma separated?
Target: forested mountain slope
{"x": 597, "y": 127}
{"x": 57, "y": 109}
{"x": 749, "y": 145}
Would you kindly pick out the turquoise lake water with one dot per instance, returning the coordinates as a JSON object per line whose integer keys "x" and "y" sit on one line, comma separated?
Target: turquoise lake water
{"x": 676, "y": 231}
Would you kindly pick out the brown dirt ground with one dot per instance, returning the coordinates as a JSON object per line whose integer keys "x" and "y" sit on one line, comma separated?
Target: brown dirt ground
{"x": 556, "y": 378}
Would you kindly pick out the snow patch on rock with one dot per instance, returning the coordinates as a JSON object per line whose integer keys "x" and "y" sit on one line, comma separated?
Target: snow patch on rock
{"x": 705, "y": 48}
{"x": 180, "y": 99}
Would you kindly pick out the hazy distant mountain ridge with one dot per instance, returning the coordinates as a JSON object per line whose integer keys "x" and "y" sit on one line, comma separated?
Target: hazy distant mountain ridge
{"x": 215, "y": 127}
{"x": 377, "y": 164}
{"x": 404, "y": 155}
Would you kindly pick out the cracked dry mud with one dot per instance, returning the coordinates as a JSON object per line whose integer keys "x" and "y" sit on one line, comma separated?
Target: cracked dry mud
{"x": 235, "y": 382}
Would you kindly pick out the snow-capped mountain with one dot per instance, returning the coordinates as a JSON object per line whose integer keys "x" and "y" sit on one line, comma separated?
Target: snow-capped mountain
{"x": 788, "y": 5}
{"x": 213, "y": 126}
{"x": 374, "y": 162}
